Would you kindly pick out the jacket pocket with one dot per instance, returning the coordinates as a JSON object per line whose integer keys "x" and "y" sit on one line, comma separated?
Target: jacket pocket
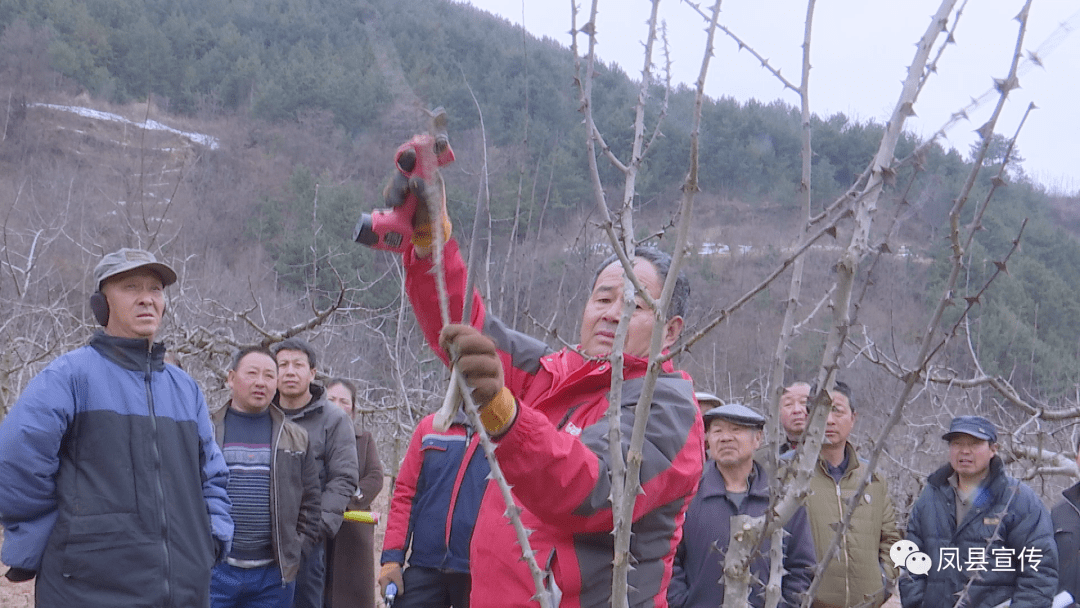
{"x": 111, "y": 547}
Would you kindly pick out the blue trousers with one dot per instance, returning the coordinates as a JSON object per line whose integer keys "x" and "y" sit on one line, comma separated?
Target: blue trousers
{"x": 232, "y": 587}
{"x": 311, "y": 578}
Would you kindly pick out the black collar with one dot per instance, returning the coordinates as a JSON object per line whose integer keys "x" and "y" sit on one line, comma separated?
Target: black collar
{"x": 135, "y": 354}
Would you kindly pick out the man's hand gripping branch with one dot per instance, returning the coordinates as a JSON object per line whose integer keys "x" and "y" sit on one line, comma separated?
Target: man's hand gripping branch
{"x": 477, "y": 360}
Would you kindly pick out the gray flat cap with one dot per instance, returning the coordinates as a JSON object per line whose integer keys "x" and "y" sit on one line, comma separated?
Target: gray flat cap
{"x": 704, "y": 398}
{"x": 735, "y": 413}
{"x": 126, "y": 259}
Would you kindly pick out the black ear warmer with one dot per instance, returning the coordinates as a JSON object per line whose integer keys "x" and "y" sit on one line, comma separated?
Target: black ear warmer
{"x": 100, "y": 306}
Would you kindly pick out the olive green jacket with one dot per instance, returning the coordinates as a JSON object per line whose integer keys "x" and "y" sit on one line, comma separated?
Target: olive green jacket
{"x": 861, "y": 567}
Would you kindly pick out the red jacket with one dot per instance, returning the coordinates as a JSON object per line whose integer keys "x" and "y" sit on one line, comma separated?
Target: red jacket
{"x": 555, "y": 456}
{"x": 436, "y": 498}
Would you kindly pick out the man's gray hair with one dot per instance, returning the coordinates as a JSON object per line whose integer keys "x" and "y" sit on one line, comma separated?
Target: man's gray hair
{"x": 680, "y": 298}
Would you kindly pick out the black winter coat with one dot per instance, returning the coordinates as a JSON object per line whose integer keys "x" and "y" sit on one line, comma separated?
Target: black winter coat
{"x": 1006, "y": 519}
{"x": 697, "y": 577}
{"x": 1066, "y": 518}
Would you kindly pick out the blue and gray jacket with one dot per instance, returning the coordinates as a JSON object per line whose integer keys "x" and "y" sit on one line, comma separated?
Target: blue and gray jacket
{"x": 113, "y": 488}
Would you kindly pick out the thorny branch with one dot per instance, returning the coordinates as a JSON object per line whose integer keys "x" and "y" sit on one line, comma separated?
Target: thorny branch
{"x": 743, "y": 45}
{"x": 459, "y": 385}
{"x": 625, "y": 473}
{"x": 924, "y": 357}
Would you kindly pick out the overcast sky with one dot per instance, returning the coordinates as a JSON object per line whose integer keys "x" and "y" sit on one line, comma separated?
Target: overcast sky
{"x": 860, "y": 50}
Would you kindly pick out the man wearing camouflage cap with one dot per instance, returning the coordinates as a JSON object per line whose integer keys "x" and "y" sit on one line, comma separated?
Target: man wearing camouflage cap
{"x": 113, "y": 489}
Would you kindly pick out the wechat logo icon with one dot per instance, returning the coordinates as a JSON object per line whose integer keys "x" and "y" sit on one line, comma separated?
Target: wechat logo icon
{"x": 906, "y": 553}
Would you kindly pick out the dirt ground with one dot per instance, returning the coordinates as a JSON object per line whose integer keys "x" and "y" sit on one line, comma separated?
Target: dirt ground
{"x": 15, "y": 595}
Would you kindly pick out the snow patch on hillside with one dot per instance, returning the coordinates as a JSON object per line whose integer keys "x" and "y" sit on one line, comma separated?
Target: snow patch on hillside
{"x": 152, "y": 125}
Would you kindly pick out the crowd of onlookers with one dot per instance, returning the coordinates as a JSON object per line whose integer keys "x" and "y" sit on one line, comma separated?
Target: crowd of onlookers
{"x": 975, "y": 537}
{"x": 119, "y": 486}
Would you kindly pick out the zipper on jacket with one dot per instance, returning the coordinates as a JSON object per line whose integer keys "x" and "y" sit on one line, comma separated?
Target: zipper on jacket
{"x": 158, "y": 486}
{"x": 843, "y": 546}
{"x": 274, "y": 509}
{"x": 471, "y": 441}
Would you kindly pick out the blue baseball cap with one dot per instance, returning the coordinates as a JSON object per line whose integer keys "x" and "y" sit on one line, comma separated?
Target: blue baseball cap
{"x": 976, "y": 426}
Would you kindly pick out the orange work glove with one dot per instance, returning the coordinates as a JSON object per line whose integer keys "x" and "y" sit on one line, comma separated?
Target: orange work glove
{"x": 391, "y": 573}
{"x": 476, "y": 358}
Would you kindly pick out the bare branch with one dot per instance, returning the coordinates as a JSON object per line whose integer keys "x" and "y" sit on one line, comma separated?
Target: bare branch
{"x": 743, "y": 45}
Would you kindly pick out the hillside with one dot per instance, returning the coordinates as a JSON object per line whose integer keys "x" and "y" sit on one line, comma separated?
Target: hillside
{"x": 281, "y": 119}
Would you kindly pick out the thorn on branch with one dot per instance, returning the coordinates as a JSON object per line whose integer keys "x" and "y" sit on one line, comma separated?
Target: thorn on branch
{"x": 589, "y": 28}
{"x": 1034, "y": 58}
{"x": 888, "y": 175}
{"x": 999, "y": 182}
{"x": 1004, "y": 85}
{"x": 907, "y": 109}
{"x": 971, "y": 300}
{"x": 1001, "y": 267}
{"x": 831, "y": 231}
{"x": 986, "y": 130}
{"x": 884, "y": 248}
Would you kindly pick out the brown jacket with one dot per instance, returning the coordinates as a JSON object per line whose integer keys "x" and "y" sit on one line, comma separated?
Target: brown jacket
{"x": 294, "y": 489}
{"x": 861, "y": 567}
{"x": 351, "y": 565}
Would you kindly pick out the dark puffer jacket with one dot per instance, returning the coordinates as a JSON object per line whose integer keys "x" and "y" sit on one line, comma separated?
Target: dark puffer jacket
{"x": 331, "y": 441}
{"x": 1066, "y": 518}
{"x": 697, "y": 580}
{"x": 113, "y": 487}
{"x": 1006, "y": 517}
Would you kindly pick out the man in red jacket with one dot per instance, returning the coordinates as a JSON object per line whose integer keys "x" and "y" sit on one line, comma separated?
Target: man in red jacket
{"x": 546, "y": 411}
{"x": 432, "y": 516}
